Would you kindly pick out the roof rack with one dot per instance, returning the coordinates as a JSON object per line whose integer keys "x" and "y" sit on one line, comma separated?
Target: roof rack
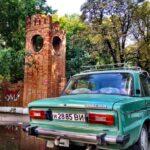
{"x": 118, "y": 66}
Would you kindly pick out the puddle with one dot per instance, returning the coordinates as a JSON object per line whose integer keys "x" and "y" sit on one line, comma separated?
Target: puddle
{"x": 13, "y": 138}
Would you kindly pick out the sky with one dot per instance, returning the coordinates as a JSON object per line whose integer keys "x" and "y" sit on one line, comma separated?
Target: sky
{"x": 66, "y": 6}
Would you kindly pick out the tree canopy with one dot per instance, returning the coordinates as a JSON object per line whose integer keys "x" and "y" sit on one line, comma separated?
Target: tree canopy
{"x": 106, "y": 32}
{"x": 13, "y": 15}
{"x": 118, "y": 23}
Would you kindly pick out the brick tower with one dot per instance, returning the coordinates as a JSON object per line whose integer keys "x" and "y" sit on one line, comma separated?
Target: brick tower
{"x": 45, "y": 58}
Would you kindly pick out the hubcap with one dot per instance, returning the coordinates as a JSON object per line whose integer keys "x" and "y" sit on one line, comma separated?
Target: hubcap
{"x": 144, "y": 139}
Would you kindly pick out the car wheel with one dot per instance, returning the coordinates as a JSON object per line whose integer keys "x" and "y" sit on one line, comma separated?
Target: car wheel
{"x": 142, "y": 143}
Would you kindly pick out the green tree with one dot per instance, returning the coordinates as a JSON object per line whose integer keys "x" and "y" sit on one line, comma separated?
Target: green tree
{"x": 12, "y": 64}
{"x": 113, "y": 21}
{"x": 141, "y": 34}
{"x": 76, "y": 54}
{"x": 12, "y": 23}
{"x": 83, "y": 47}
{"x": 13, "y": 15}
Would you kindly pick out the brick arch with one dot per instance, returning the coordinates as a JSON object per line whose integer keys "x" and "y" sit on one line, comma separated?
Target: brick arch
{"x": 44, "y": 68}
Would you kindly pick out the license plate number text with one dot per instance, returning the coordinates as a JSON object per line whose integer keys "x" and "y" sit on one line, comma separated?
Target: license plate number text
{"x": 69, "y": 116}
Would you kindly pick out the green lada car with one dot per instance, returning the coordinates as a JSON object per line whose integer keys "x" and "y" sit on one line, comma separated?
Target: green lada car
{"x": 98, "y": 110}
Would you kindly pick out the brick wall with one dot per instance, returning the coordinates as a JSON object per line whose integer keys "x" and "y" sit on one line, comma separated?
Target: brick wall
{"x": 44, "y": 64}
{"x": 11, "y": 94}
{"x": 45, "y": 69}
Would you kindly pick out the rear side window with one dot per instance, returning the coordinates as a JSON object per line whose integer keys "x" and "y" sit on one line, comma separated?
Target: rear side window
{"x": 145, "y": 85}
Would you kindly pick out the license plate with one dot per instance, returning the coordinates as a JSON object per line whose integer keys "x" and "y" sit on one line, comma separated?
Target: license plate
{"x": 69, "y": 116}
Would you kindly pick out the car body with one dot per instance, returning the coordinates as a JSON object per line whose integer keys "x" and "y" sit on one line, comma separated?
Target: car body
{"x": 107, "y": 109}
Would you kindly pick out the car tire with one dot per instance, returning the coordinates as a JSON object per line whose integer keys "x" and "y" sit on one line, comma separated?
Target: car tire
{"x": 142, "y": 143}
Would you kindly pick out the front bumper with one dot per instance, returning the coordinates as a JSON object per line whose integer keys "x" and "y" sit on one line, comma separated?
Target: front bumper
{"x": 100, "y": 139}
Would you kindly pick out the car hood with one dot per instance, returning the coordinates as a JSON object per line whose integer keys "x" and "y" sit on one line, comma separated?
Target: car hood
{"x": 97, "y": 101}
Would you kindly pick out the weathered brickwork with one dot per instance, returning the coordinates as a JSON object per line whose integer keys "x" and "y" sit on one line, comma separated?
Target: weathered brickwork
{"x": 45, "y": 69}
{"x": 11, "y": 94}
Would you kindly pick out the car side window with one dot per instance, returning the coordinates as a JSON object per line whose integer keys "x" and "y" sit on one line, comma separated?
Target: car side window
{"x": 145, "y": 85}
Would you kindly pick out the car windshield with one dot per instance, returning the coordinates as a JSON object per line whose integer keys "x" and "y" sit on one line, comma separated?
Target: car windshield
{"x": 102, "y": 83}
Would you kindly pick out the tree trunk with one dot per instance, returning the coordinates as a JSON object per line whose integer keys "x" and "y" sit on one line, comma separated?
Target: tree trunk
{"x": 112, "y": 51}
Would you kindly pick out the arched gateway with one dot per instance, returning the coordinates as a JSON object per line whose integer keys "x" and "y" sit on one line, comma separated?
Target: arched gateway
{"x": 45, "y": 59}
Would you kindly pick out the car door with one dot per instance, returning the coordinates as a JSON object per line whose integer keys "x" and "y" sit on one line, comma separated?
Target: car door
{"x": 145, "y": 89}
